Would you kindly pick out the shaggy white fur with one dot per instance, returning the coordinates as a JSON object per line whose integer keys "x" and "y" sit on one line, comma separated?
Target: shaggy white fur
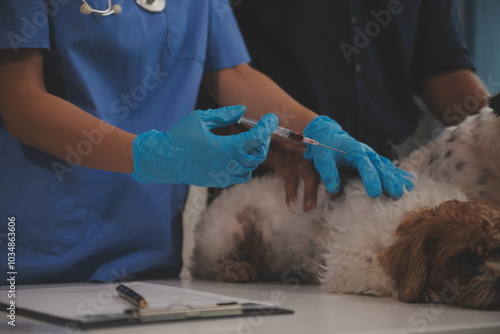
{"x": 466, "y": 156}
{"x": 336, "y": 242}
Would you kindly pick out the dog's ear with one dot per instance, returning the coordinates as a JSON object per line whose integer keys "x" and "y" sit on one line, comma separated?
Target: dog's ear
{"x": 494, "y": 103}
{"x": 468, "y": 226}
{"x": 406, "y": 262}
{"x": 435, "y": 235}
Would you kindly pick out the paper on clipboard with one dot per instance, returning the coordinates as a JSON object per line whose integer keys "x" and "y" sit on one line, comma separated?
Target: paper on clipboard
{"x": 91, "y": 305}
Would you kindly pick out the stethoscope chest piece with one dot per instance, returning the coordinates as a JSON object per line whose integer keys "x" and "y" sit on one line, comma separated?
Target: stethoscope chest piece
{"x": 153, "y": 6}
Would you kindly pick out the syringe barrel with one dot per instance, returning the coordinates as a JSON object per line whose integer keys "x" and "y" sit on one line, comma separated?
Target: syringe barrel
{"x": 282, "y": 132}
{"x": 279, "y": 131}
{"x": 248, "y": 121}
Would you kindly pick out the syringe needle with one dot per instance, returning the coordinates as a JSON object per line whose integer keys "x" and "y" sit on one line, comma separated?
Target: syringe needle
{"x": 332, "y": 148}
{"x": 314, "y": 142}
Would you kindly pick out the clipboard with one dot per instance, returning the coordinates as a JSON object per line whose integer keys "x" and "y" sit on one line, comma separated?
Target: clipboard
{"x": 98, "y": 305}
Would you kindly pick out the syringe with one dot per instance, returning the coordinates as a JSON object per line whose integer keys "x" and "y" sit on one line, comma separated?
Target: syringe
{"x": 287, "y": 133}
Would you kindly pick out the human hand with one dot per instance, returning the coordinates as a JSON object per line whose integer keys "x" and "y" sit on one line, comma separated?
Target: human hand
{"x": 377, "y": 172}
{"x": 288, "y": 163}
{"x": 190, "y": 153}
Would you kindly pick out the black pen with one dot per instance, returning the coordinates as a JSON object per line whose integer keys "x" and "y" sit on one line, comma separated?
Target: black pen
{"x": 131, "y": 296}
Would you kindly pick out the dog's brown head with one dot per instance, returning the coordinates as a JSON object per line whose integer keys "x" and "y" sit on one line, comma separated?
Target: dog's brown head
{"x": 450, "y": 252}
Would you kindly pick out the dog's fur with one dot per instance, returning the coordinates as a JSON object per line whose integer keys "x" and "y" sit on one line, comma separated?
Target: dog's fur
{"x": 439, "y": 241}
{"x": 467, "y": 156}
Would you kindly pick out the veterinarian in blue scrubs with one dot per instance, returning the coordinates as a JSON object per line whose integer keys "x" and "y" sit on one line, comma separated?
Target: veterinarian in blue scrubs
{"x": 90, "y": 200}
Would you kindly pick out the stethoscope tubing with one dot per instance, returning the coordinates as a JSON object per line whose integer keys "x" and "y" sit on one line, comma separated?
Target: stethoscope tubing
{"x": 155, "y": 6}
{"x": 101, "y": 12}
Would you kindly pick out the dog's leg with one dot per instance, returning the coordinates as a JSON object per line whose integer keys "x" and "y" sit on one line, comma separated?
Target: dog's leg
{"x": 227, "y": 246}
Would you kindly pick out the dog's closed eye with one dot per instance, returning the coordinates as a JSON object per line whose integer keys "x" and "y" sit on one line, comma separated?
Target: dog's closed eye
{"x": 468, "y": 257}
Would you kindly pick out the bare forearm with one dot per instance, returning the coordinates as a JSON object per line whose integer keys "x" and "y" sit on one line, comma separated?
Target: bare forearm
{"x": 61, "y": 129}
{"x": 453, "y": 96}
{"x": 244, "y": 85}
{"x": 53, "y": 125}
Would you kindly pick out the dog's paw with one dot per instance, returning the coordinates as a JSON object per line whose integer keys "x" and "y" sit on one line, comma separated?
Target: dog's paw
{"x": 237, "y": 272}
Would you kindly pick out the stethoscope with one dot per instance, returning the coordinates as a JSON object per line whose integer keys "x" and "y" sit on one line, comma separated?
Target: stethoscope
{"x": 153, "y": 6}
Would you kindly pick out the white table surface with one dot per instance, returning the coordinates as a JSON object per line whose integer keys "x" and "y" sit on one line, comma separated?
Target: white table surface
{"x": 316, "y": 312}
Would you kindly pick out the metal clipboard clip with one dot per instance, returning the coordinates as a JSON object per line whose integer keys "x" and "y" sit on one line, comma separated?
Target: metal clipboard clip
{"x": 183, "y": 311}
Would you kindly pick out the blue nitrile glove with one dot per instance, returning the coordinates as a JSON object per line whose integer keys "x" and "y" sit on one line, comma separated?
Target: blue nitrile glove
{"x": 190, "y": 153}
{"x": 377, "y": 172}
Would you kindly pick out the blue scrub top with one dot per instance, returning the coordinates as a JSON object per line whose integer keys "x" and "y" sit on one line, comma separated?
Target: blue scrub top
{"x": 358, "y": 61}
{"x": 137, "y": 71}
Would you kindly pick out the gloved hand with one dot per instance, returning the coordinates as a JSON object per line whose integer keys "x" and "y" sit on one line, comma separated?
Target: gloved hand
{"x": 377, "y": 172}
{"x": 190, "y": 154}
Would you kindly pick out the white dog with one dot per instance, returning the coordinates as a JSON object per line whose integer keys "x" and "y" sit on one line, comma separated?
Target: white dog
{"x": 433, "y": 243}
